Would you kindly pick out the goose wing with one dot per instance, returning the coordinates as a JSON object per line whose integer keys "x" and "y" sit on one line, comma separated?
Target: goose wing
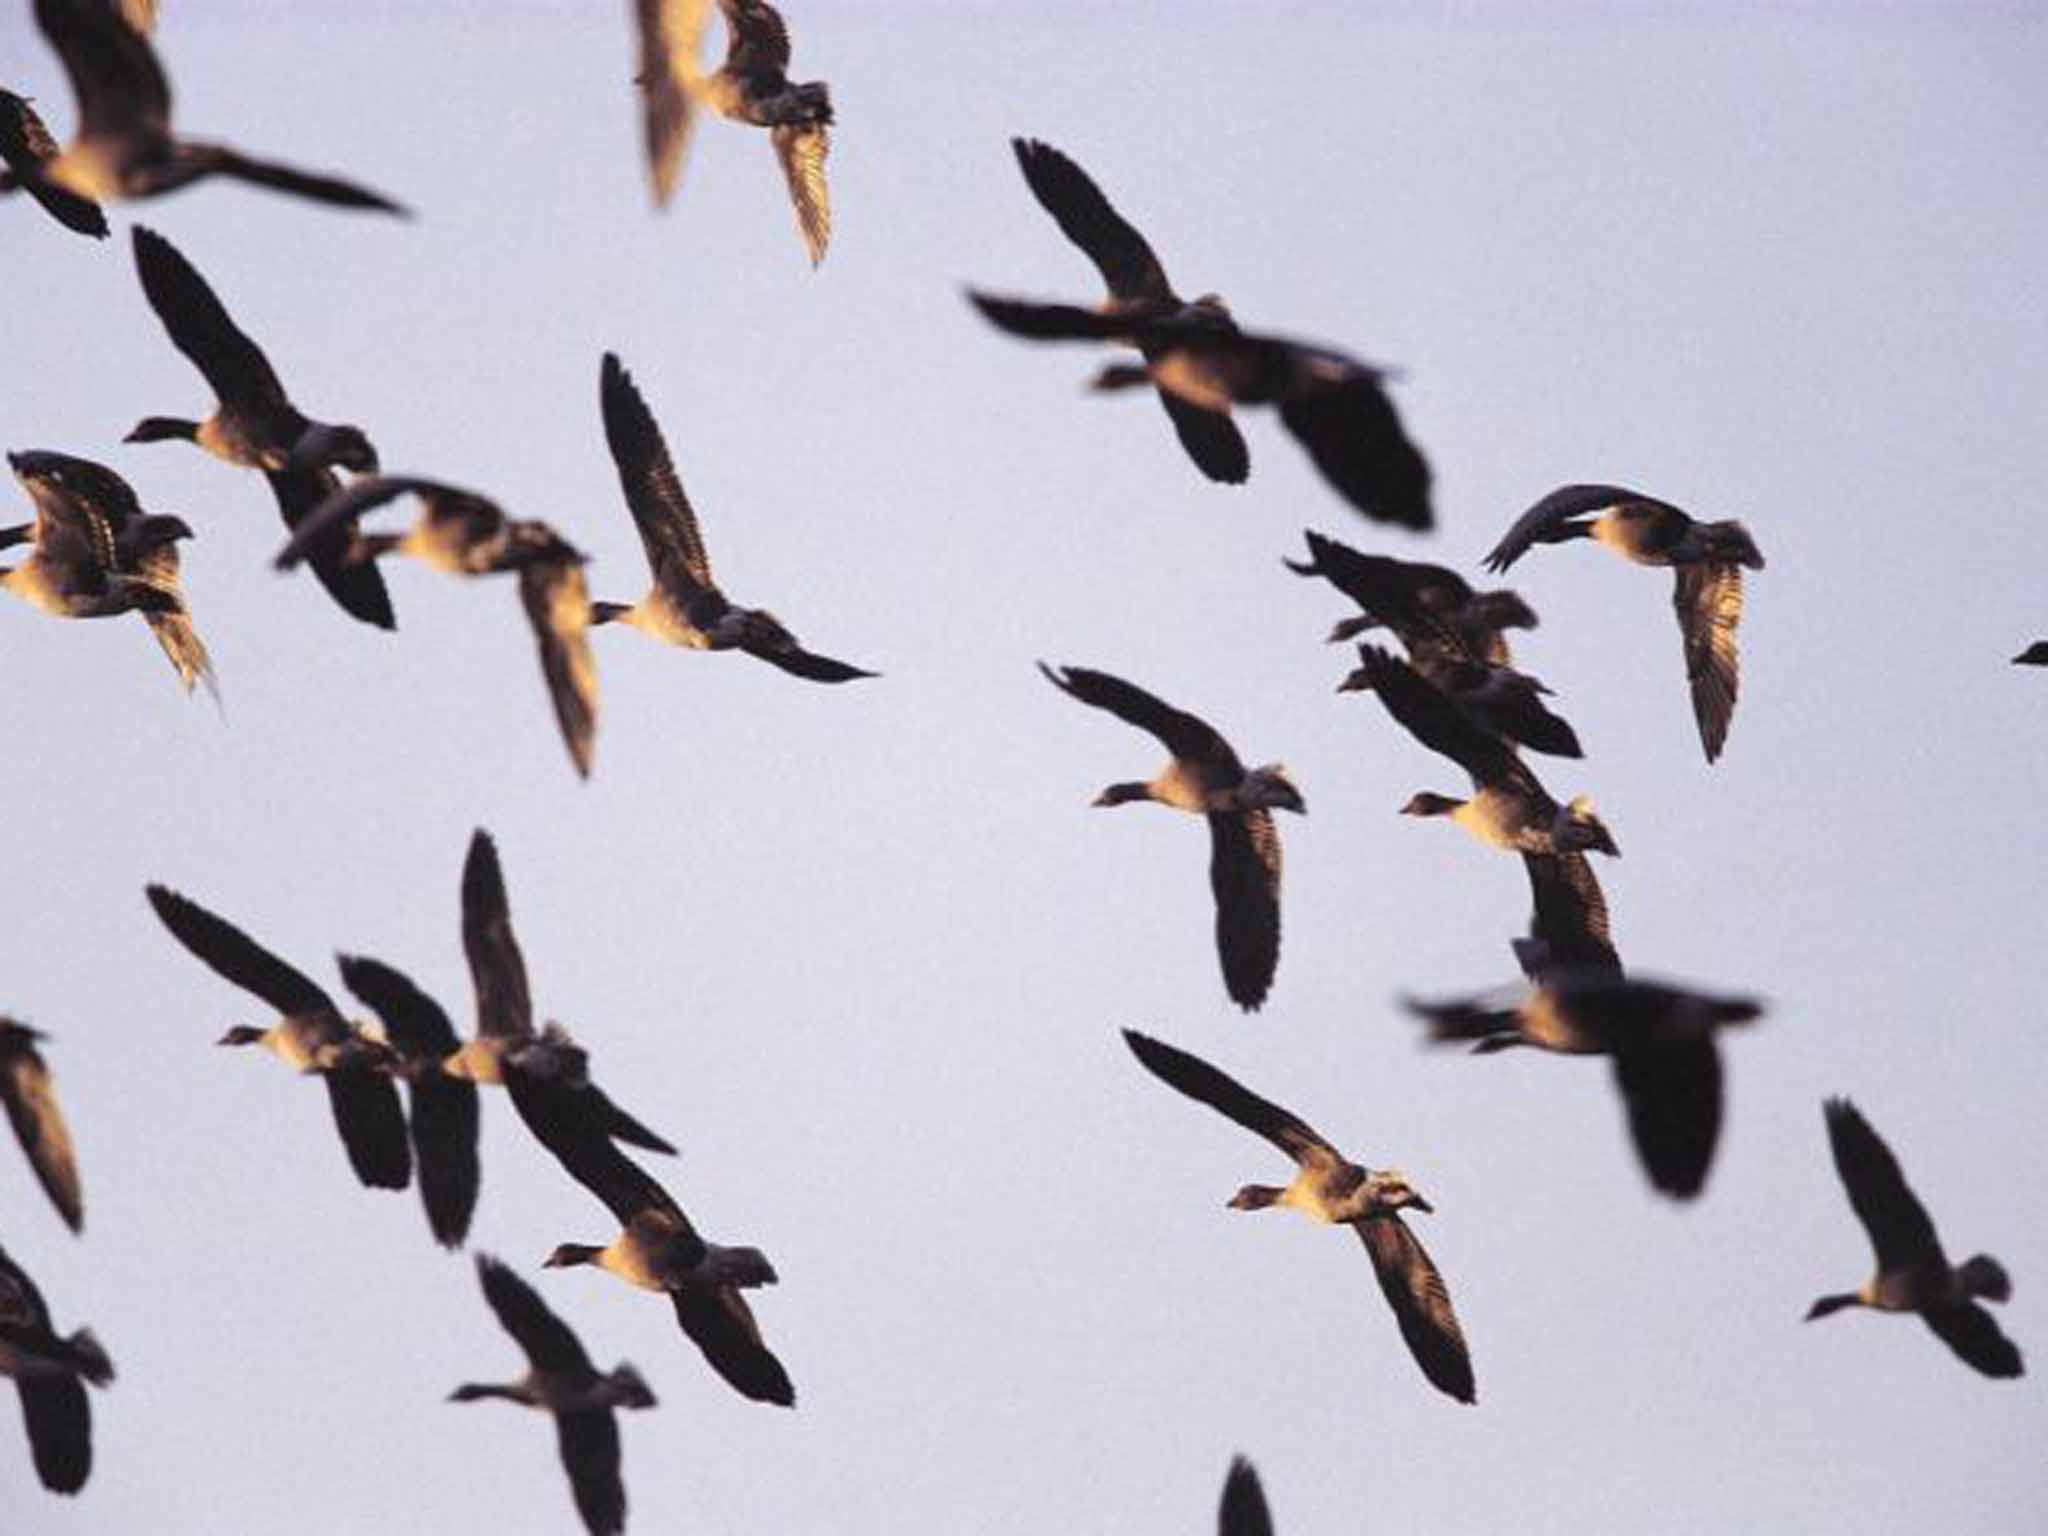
{"x": 59, "y": 1424}
{"x": 654, "y": 494}
{"x": 1127, "y": 264}
{"x": 798, "y": 662}
{"x": 236, "y": 957}
{"x": 1194, "y": 1077}
{"x": 194, "y": 159}
{"x": 1244, "y": 874}
{"x": 1900, "y": 1229}
{"x": 121, "y": 89}
{"x": 1184, "y": 735}
{"x": 1673, "y": 1097}
{"x": 1398, "y": 593}
{"x": 721, "y": 1324}
{"x": 497, "y": 970}
{"x": 1338, "y": 410}
{"x": 588, "y": 1442}
{"x": 572, "y": 1123}
{"x": 1421, "y": 1303}
{"x": 800, "y": 149}
{"x": 357, "y": 585}
{"x": 1243, "y": 1512}
{"x": 1569, "y": 922}
{"x": 26, "y": 145}
{"x": 1708, "y": 598}
{"x": 757, "y": 42}
{"x": 671, "y": 50}
{"x": 1551, "y": 513}
{"x": 557, "y": 602}
{"x": 1974, "y": 1335}
{"x": 443, "y": 1114}
{"x": 200, "y": 327}
{"x": 366, "y": 1113}
{"x": 328, "y": 522}
{"x": 550, "y": 1345}
{"x": 38, "y": 1121}
{"x": 1037, "y": 321}
{"x": 1210, "y": 437}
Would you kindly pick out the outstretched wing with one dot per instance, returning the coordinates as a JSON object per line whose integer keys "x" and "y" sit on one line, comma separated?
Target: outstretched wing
{"x": 1085, "y": 216}
{"x": 1900, "y": 1229}
{"x": 721, "y": 1324}
{"x": 1975, "y": 1336}
{"x": 1708, "y": 597}
{"x": 121, "y": 90}
{"x": 1569, "y": 922}
{"x": 38, "y": 1121}
{"x": 757, "y": 41}
{"x": 654, "y": 493}
{"x": 1551, "y": 513}
{"x": 801, "y": 149}
{"x": 548, "y": 1341}
{"x": 200, "y": 327}
{"x": 357, "y": 585}
{"x": 497, "y": 970}
{"x": 557, "y": 602}
{"x": 1244, "y": 1511}
{"x": 1188, "y": 1073}
{"x": 235, "y": 956}
{"x": 1421, "y": 1303}
{"x": 671, "y": 49}
{"x": 1184, "y": 735}
{"x": 25, "y": 144}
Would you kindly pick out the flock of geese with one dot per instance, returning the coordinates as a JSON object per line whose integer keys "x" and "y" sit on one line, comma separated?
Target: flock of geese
{"x": 94, "y": 551}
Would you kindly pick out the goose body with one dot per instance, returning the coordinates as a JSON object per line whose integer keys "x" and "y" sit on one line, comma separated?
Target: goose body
{"x": 1205, "y": 778}
{"x": 1913, "y": 1273}
{"x": 1707, "y": 559}
{"x": 560, "y": 1380}
{"x": 1327, "y": 1187}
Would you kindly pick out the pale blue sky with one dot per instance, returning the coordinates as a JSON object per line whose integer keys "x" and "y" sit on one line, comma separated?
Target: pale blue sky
{"x": 863, "y": 952}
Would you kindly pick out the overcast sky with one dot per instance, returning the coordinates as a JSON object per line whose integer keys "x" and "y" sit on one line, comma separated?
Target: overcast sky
{"x": 863, "y": 952}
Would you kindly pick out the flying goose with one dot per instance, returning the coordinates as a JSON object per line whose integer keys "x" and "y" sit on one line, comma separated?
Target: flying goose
{"x": 753, "y": 86}
{"x": 2035, "y": 655}
{"x": 1913, "y": 1274}
{"x": 462, "y": 533}
{"x": 1243, "y": 1511}
{"x": 27, "y": 148}
{"x": 1431, "y": 605}
{"x": 685, "y": 606}
{"x": 124, "y": 147}
{"x": 561, "y": 1381}
{"x": 657, "y": 1249}
{"x": 1332, "y": 403}
{"x": 1509, "y": 807}
{"x": 1206, "y": 779}
{"x": 97, "y": 553}
{"x": 1660, "y": 1036}
{"x": 1330, "y": 1189}
{"x": 49, "y": 1373}
{"x": 310, "y": 1036}
{"x": 38, "y": 1121}
{"x": 1707, "y": 559}
{"x": 504, "y": 1003}
{"x": 441, "y": 1111}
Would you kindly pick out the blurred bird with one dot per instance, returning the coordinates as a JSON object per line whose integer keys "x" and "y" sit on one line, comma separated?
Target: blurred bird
{"x": 38, "y": 1122}
{"x": 1202, "y": 364}
{"x": 310, "y": 1036}
{"x": 441, "y": 1111}
{"x": 685, "y": 606}
{"x": 1913, "y": 1274}
{"x": 504, "y": 1002}
{"x": 1509, "y": 807}
{"x": 1206, "y": 779}
{"x": 462, "y": 533}
{"x": 49, "y": 1373}
{"x": 752, "y": 86}
{"x": 1707, "y": 559}
{"x": 561, "y": 1381}
{"x": 124, "y": 147}
{"x": 657, "y": 1248}
{"x": 97, "y": 553}
{"x": 1329, "y": 1188}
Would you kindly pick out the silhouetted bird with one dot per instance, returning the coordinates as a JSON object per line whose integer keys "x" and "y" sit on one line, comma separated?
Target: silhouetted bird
{"x": 1707, "y": 559}
{"x": 1206, "y": 779}
{"x": 1913, "y": 1274}
{"x": 49, "y": 1372}
{"x": 561, "y": 1381}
